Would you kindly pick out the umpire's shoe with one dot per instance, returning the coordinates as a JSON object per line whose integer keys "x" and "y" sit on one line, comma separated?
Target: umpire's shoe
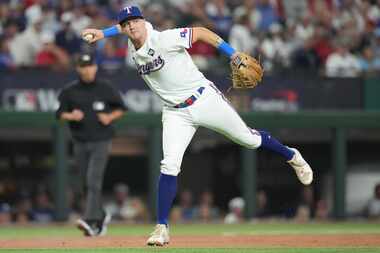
{"x": 87, "y": 228}
{"x": 103, "y": 224}
{"x": 160, "y": 236}
{"x": 302, "y": 168}
{"x": 94, "y": 227}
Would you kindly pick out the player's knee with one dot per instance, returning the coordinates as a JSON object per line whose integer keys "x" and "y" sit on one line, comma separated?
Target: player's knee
{"x": 170, "y": 168}
{"x": 253, "y": 140}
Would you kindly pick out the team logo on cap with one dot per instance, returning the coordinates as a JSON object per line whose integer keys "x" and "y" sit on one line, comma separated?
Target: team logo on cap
{"x": 128, "y": 9}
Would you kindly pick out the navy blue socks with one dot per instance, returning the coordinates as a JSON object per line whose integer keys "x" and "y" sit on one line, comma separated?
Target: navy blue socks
{"x": 268, "y": 142}
{"x": 167, "y": 190}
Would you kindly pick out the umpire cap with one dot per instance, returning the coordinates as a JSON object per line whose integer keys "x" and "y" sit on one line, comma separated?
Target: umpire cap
{"x": 129, "y": 12}
{"x": 85, "y": 60}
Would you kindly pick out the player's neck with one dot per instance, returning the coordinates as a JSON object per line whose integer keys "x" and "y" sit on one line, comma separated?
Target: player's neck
{"x": 138, "y": 43}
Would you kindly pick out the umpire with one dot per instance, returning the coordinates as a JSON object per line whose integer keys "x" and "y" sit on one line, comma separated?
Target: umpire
{"x": 91, "y": 106}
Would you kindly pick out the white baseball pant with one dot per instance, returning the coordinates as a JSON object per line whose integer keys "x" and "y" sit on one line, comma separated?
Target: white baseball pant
{"x": 210, "y": 110}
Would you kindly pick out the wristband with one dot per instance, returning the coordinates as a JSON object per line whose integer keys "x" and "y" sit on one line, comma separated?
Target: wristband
{"x": 111, "y": 31}
{"x": 226, "y": 49}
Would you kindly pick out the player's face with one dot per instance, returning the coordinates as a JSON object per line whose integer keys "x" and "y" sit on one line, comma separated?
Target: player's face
{"x": 135, "y": 29}
{"x": 87, "y": 73}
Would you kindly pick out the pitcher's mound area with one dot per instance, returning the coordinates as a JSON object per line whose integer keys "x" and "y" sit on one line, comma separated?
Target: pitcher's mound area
{"x": 243, "y": 241}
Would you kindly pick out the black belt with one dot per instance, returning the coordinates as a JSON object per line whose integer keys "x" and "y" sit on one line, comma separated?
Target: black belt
{"x": 190, "y": 100}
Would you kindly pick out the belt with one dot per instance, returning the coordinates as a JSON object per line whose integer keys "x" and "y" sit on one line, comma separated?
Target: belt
{"x": 190, "y": 100}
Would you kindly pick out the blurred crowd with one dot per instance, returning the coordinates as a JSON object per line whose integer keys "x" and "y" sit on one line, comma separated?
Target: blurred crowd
{"x": 338, "y": 38}
{"x": 36, "y": 205}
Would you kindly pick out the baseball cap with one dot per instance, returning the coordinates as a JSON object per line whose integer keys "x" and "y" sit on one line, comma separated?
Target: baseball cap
{"x": 85, "y": 60}
{"x": 129, "y": 12}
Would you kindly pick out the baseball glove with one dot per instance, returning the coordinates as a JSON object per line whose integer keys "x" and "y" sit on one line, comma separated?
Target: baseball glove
{"x": 247, "y": 72}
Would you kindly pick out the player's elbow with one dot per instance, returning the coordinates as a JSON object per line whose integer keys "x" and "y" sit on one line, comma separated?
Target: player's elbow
{"x": 205, "y": 35}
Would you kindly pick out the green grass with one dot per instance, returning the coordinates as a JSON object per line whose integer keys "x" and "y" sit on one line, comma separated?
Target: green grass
{"x": 202, "y": 229}
{"x": 30, "y": 232}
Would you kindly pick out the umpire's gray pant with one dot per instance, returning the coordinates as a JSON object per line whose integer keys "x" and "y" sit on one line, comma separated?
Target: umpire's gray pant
{"x": 91, "y": 160}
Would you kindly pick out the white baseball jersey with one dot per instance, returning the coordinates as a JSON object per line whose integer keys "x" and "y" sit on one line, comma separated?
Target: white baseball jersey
{"x": 168, "y": 69}
{"x": 166, "y": 66}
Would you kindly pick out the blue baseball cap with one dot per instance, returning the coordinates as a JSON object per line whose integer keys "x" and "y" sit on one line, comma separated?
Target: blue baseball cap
{"x": 129, "y": 12}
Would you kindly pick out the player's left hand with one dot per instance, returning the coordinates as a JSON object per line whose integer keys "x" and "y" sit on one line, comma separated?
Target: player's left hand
{"x": 104, "y": 118}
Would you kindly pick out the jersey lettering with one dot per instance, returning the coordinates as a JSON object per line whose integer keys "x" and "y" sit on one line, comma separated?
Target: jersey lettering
{"x": 151, "y": 66}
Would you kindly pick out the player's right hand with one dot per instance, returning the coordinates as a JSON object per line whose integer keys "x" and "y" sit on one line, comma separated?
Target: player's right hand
{"x": 92, "y": 35}
{"x": 77, "y": 115}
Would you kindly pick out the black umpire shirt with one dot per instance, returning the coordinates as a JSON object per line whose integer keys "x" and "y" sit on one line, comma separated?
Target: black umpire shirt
{"x": 91, "y": 99}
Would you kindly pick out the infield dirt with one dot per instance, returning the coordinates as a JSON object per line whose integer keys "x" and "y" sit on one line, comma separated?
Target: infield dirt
{"x": 227, "y": 241}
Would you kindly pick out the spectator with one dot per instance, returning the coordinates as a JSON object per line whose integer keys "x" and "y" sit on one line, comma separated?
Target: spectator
{"x": 374, "y": 204}
{"x": 80, "y": 20}
{"x": 23, "y": 210}
{"x": 342, "y": 63}
{"x": 158, "y": 18}
{"x": 268, "y": 14}
{"x": 113, "y": 8}
{"x": 321, "y": 210}
{"x": 240, "y": 36}
{"x": 305, "y": 208}
{"x": 185, "y": 211}
{"x": 369, "y": 63}
{"x": 275, "y": 49}
{"x": 248, "y": 8}
{"x": 262, "y": 209}
{"x": 5, "y": 214}
{"x": 348, "y": 13}
{"x": 25, "y": 46}
{"x": 304, "y": 29}
{"x": 194, "y": 11}
{"x": 4, "y": 15}
{"x": 66, "y": 38}
{"x": 293, "y": 9}
{"x": 120, "y": 208}
{"x": 52, "y": 56}
{"x": 206, "y": 211}
{"x": 310, "y": 23}
{"x": 6, "y": 61}
{"x": 320, "y": 44}
{"x": 109, "y": 57}
{"x": 236, "y": 211}
{"x": 42, "y": 211}
{"x": 220, "y": 14}
{"x": 10, "y": 29}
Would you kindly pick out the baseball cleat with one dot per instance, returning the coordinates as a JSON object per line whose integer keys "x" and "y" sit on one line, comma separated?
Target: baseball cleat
{"x": 160, "y": 236}
{"x": 86, "y": 228}
{"x": 301, "y": 167}
{"x": 103, "y": 225}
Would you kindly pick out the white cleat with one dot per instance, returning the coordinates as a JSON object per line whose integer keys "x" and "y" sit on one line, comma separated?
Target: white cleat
{"x": 159, "y": 237}
{"x": 103, "y": 228}
{"x": 302, "y": 168}
{"x": 85, "y": 227}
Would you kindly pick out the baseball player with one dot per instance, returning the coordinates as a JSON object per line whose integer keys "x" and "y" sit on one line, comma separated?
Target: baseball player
{"x": 190, "y": 101}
